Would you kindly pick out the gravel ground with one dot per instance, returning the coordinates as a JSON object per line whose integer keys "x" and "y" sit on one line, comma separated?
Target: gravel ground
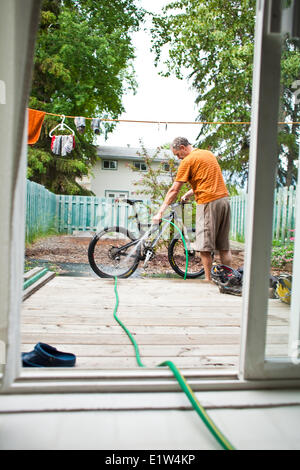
{"x": 64, "y": 252}
{"x": 67, "y": 253}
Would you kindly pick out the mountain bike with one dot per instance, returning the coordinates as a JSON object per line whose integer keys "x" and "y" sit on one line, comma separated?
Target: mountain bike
{"x": 117, "y": 252}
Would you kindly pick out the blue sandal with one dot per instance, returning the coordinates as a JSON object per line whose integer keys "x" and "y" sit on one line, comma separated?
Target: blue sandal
{"x": 45, "y": 355}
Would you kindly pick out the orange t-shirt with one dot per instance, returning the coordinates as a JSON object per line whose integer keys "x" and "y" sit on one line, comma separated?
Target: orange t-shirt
{"x": 201, "y": 169}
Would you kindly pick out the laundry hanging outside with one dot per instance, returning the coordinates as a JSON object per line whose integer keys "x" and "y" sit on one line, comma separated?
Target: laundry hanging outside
{"x": 35, "y": 122}
{"x": 60, "y": 144}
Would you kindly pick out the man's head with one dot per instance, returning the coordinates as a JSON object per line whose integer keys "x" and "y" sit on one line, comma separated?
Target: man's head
{"x": 181, "y": 147}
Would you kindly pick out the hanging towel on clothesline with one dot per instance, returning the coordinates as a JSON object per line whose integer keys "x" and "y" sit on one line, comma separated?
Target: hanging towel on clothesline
{"x": 62, "y": 144}
{"x": 96, "y": 125}
{"x": 35, "y": 122}
{"x": 80, "y": 124}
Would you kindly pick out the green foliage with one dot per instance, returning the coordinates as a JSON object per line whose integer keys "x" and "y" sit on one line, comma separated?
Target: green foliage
{"x": 239, "y": 238}
{"x": 288, "y": 135}
{"x": 212, "y": 43}
{"x": 281, "y": 255}
{"x": 31, "y": 264}
{"x": 36, "y": 235}
{"x": 155, "y": 182}
{"x": 82, "y": 67}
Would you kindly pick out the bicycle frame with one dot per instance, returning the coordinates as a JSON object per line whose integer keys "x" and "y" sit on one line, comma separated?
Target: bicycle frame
{"x": 145, "y": 246}
{"x": 160, "y": 228}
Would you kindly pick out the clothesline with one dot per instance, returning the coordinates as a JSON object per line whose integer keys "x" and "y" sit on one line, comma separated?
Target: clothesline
{"x": 169, "y": 122}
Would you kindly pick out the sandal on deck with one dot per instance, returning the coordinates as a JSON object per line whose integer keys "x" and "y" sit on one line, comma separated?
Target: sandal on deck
{"x": 45, "y": 355}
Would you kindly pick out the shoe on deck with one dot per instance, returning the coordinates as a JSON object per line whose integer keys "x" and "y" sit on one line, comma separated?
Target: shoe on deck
{"x": 45, "y": 355}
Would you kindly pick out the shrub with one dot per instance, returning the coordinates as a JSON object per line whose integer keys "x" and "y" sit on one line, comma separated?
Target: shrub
{"x": 281, "y": 255}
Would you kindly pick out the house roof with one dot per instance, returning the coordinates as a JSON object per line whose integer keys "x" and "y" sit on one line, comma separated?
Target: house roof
{"x": 131, "y": 153}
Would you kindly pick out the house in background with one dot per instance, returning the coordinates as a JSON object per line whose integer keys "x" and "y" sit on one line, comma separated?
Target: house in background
{"x": 113, "y": 177}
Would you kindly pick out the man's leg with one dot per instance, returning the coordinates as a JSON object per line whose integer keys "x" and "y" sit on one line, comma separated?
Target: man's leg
{"x": 222, "y": 238}
{"x": 207, "y": 263}
{"x": 226, "y": 257}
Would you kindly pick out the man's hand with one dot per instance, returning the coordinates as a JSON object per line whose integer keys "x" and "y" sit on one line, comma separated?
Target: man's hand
{"x": 184, "y": 198}
{"x": 170, "y": 197}
{"x": 187, "y": 196}
{"x": 157, "y": 218}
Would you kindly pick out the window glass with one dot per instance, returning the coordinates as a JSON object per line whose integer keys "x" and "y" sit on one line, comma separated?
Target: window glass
{"x": 140, "y": 166}
{"x": 109, "y": 165}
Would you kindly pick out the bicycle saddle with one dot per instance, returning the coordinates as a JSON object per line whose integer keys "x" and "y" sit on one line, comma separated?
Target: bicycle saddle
{"x": 129, "y": 201}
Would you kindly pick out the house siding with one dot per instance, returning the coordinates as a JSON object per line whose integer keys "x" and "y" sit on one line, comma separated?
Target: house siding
{"x": 118, "y": 180}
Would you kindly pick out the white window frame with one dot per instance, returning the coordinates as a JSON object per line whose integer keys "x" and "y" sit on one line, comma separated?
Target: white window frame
{"x": 117, "y": 193}
{"x": 138, "y": 166}
{"x": 262, "y": 169}
{"x": 255, "y": 370}
{"x": 113, "y": 168}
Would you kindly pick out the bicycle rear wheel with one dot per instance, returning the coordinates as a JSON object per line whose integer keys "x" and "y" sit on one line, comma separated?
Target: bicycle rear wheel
{"x": 112, "y": 254}
{"x": 177, "y": 260}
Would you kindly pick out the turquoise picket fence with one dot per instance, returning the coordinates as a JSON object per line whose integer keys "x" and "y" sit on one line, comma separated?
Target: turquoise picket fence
{"x": 84, "y": 213}
{"x": 283, "y": 214}
{"x": 66, "y": 214}
{"x": 238, "y": 205}
{"x": 41, "y": 211}
{"x": 46, "y": 212}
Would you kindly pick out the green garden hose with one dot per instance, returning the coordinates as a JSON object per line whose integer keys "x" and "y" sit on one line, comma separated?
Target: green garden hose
{"x": 197, "y": 407}
{"x": 185, "y": 247}
{"x": 219, "y": 436}
{"x": 136, "y": 347}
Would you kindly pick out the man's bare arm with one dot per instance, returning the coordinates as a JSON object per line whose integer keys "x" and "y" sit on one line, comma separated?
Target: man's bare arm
{"x": 170, "y": 197}
{"x": 187, "y": 195}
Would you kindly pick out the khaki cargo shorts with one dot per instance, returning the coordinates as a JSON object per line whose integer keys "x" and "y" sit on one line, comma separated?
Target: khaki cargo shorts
{"x": 213, "y": 225}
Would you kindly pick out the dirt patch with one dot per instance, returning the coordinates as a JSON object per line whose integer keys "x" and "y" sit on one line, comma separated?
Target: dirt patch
{"x": 60, "y": 249}
{"x": 71, "y": 249}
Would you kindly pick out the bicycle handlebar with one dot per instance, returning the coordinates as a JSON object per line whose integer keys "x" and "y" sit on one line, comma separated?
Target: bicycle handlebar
{"x": 134, "y": 201}
{"x": 181, "y": 203}
{"x": 129, "y": 201}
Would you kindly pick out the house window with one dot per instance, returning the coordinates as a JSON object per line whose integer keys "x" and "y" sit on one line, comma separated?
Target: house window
{"x": 109, "y": 165}
{"x": 140, "y": 166}
{"x": 116, "y": 194}
{"x": 166, "y": 167}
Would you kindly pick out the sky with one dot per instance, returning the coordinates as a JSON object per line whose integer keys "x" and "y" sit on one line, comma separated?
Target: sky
{"x": 157, "y": 99}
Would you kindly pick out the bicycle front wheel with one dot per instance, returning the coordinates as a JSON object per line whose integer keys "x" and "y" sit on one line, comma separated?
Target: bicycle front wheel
{"x": 114, "y": 252}
{"x": 177, "y": 260}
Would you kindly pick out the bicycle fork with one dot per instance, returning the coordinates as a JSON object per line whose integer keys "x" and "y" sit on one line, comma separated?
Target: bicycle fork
{"x": 149, "y": 251}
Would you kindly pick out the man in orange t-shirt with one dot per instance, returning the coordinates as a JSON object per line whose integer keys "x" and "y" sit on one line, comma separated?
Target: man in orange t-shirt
{"x": 200, "y": 168}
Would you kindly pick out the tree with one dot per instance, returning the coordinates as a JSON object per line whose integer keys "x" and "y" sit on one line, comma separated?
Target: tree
{"x": 155, "y": 182}
{"x": 289, "y": 134}
{"x": 211, "y": 42}
{"x": 82, "y": 67}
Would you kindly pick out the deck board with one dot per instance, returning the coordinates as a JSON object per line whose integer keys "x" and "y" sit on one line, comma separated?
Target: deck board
{"x": 188, "y": 322}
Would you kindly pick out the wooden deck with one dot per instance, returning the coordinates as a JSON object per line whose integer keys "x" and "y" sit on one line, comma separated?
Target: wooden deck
{"x": 188, "y": 322}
